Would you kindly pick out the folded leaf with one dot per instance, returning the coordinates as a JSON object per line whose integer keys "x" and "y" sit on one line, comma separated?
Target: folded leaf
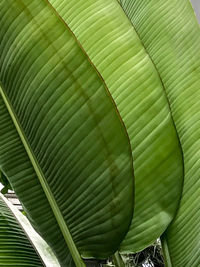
{"x": 114, "y": 47}
{"x": 20, "y": 245}
{"x": 171, "y": 35}
{"x": 71, "y": 131}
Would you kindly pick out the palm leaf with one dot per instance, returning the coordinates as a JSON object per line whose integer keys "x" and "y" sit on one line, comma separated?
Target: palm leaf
{"x": 20, "y": 245}
{"x": 62, "y": 111}
{"x": 115, "y": 49}
{"x": 171, "y": 35}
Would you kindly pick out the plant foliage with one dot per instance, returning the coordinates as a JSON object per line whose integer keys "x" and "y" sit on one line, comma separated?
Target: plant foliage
{"x": 89, "y": 90}
{"x": 20, "y": 244}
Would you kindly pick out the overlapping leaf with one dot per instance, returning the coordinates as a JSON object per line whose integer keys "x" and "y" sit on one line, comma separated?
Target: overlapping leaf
{"x": 71, "y": 130}
{"x": 171, "y": 35}
{"x": 114, "y": 47}
{"x": 15, "y": 161}
{"x": 16, "y": 234}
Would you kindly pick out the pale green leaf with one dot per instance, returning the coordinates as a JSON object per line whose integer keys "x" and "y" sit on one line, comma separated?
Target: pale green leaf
{"x": 171, "y": 35}
{"x": 114, "y": 47}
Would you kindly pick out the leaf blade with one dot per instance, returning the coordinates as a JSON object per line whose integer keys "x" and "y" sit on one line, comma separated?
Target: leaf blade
{"x": 115, "y": 49}
{"x": 88, "y": 129}
{"x": 170, "y": 32}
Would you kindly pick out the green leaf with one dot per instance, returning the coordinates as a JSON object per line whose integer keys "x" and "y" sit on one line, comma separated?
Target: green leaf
{"x": 14, "y": 160}
{"x": 171, "y": 35}
{"x": 115, "y": 49}
{"x": 71, "y": 131}
{"x": 20, "y": 245}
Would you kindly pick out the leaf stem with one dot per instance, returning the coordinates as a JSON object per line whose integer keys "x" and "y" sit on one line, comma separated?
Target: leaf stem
{"x": 165, "y": 250}
{"x": 52, "y": 202}
{"x": 118, "y": 260}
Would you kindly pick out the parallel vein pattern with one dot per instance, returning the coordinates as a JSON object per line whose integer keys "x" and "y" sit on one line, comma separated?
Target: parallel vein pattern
{"x": 15, "y": 248}
{"x": 171, "y": 35}
{"x": 71, "y": 125}
{"x": 15, "y": 162}
{"x": 110, "y": 41}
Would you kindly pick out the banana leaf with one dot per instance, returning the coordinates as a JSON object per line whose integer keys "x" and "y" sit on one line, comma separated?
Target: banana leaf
{"x": 171, "y": 35}
{"x": 15, "y": 161}
{"x": 63, "y": 146}
{"x": 114, "y": 47}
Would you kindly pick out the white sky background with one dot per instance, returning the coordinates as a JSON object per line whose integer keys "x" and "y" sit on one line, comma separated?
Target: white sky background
{"x": 196, "y": 6}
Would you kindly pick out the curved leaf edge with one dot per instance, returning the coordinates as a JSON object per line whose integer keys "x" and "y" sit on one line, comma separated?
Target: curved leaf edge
{"x": 180, "y": 146}
{"x": 42, "y": 249}
{"x": 64, "y": 229}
